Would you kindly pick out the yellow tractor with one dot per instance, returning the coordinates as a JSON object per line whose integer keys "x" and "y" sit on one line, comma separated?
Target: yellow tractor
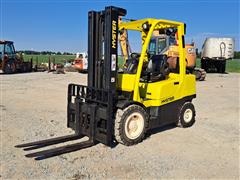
{"x": 120, "y": 106}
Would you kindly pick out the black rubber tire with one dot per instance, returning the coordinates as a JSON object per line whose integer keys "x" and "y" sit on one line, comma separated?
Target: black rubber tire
{"x": 83, "y": 71}
{"x": 204, "y": 64}
{"x": 222, "y": 66}
{"x": 24, "y": 68}
{"x": 218, "y": 66}
{"x": 9, "y": 68}
{"x": 199, "y": 73}
{"x": 120, "y": 120}
{"x": 181, "y": 122}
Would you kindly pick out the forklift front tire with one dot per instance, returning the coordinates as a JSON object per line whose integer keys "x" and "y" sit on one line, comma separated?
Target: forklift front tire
{"x": 130, "y": 125}
{"x": 186, "y": 115}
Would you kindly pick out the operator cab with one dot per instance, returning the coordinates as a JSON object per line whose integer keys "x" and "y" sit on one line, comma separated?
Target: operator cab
{"x": 161, "y": 40}
{"x": 1, "y": 51}
{"x": 7, "y": 48}
{"x": 156, "y": 68}
{"x": 131, "y": 64}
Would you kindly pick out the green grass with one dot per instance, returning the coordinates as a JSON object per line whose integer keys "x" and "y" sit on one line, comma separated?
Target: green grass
{"x": 45, "y": 58}
{"x": 198, "y": 63}
{"x": 232, "y": 65}
{"x": 58, "y": 58}
{"x": 120, "y": 61}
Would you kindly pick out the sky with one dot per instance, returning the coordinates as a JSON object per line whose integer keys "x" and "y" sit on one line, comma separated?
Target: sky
{"x": 61, "y": 25}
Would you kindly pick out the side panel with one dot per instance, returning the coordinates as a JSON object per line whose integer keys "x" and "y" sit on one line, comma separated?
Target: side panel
{"x": 189, "y": 85}
{"x": 166, "y": 114}
{"x": 166, "y": 91}
{"x": 126, "y": 82}
{"x": 163, "y": 115}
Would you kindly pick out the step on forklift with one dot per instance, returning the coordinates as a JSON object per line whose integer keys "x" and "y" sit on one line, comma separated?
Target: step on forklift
{"x": 121, "y": 105}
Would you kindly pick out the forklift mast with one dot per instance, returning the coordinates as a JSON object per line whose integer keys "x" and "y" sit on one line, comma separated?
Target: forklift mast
{"x": 90, "y": 108}
{"x": 92, "y": 112}
{"x": 103, "y": 47}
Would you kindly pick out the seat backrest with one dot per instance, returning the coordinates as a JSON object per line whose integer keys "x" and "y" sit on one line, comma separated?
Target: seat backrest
{"x": 156, "y": 63}
{"x": 131, "y": 66}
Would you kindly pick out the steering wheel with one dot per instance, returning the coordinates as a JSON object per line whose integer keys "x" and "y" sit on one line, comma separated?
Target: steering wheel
{"x": 135, "y": 55}
{"x": 149, "y": 55}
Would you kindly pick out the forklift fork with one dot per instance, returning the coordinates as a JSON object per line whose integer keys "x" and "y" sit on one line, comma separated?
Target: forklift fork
{"x": 87, "y": 114}
{"x": 40, "y": 155}
{"x": 60, "y": 150}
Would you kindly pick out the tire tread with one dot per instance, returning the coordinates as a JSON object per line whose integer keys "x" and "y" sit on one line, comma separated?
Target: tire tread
{"x": 119, "y": 125}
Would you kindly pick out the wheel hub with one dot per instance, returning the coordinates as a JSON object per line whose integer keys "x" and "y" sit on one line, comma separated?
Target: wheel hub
{"x": 134, "y": 125}
{"x": 187, "y": 116}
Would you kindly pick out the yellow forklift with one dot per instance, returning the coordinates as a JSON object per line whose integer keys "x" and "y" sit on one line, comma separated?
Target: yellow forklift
{"x": 120, "y": 106}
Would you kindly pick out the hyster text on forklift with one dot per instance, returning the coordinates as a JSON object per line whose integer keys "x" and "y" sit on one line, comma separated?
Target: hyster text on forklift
{"x": 120, "y": 106}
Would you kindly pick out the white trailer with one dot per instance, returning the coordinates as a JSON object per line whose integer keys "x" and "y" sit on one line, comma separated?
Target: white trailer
{"x": 215, "y": 52}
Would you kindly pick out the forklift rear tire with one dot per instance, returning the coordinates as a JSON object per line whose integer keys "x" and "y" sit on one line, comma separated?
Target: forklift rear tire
{"x": 187, "y": 115}
{"x": 130, "y": 125}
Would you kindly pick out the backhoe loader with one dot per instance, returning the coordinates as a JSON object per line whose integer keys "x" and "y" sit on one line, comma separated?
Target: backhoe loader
{"x": 10, "y": 61}
{"x": 120, "y": 106}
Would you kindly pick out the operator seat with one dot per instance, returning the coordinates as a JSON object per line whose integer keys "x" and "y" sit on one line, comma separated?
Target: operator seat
{"x": 130, "y": 67}
{"x": 157, "y": 69}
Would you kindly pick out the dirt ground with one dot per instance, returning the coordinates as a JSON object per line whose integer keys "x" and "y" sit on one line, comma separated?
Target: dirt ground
{"x": 33, "y": 107}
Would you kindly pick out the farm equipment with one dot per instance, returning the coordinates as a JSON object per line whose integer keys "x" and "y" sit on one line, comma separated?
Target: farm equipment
{"x": 81, "y": 62}
{"x": 121, "y": 106}
{"x": 10, "y": 62}
{"x": 215, "y": 53}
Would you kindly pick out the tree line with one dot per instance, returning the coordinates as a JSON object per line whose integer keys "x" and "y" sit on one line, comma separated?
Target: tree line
{"x": 30, "y": 52}
{"x": 237, "y": 54}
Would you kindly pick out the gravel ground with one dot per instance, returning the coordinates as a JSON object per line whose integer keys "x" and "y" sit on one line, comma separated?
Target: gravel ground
{"x": 33, "y": 107}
